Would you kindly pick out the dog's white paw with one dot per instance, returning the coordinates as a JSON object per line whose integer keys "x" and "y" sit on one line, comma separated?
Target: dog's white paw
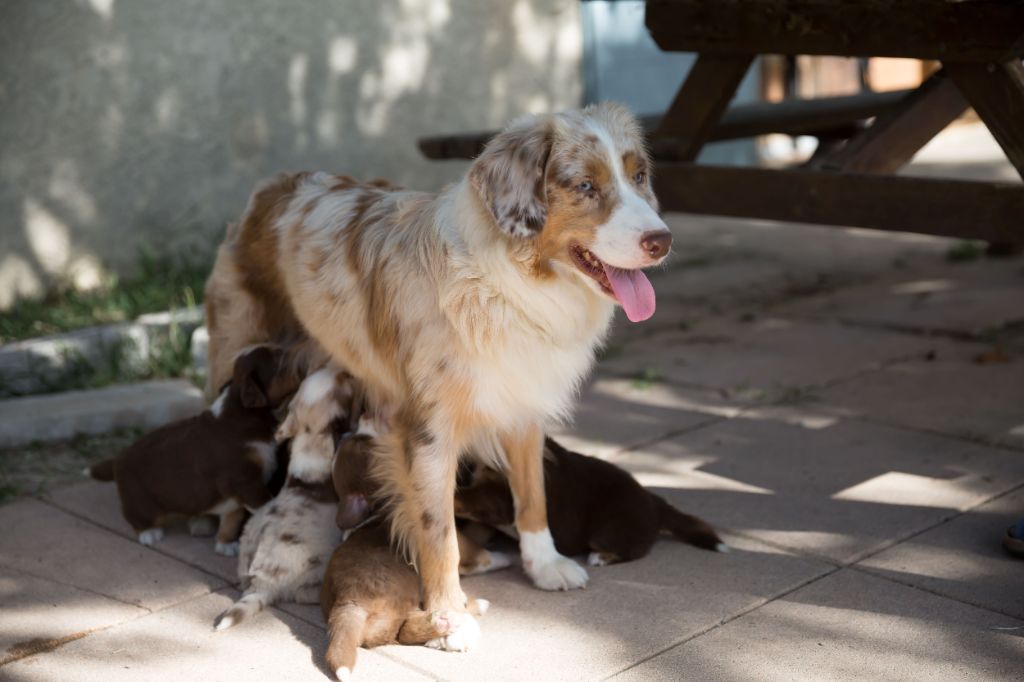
{"x": 151, "y": 536}
{"x": 344, "y": 674}
{"x": 463, "y": 632}
{"x": 226, "y": 548}
{"x": 560, "y": 573}
{"x": 597, "y": 559}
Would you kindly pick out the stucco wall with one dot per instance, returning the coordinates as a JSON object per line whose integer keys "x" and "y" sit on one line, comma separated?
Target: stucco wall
{"x": 144, "y": 123}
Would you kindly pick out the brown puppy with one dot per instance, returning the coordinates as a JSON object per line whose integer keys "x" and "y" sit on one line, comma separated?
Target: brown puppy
{"x": 593, "y": 507}
{"x": 217, "y": 462}
{"x": 370, "y": 595}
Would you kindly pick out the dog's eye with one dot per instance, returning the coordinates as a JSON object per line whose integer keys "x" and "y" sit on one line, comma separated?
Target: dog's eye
{"x": 585, "y": 186}
{"x": 640, "y": 178}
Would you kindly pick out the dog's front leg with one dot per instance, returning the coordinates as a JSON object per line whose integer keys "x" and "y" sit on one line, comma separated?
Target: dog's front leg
{"x": 425, "y": 516}
{"x": 548, "y": 569}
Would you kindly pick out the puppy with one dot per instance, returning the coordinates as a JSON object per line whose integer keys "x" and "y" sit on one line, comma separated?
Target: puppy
{"x": 594, "y": 508}
{"x": 286, "y": 544}
{"x": 370, "y": 595}
{"x": 472, "y": 315}
{"x": 218, "y": 462}
{"x": 356, "y": 495}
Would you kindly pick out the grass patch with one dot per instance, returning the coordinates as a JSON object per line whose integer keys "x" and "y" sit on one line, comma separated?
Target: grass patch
{"x": 39, "y": 468}
{"x": 162, "y": 283}
{"x": 646, "y": 377}
{"x": 964, "y": 251}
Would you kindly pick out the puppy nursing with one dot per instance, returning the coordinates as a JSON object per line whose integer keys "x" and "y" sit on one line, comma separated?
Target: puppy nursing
{"x": 472, "y": 315}
{"x": 217, "y": 462}
{"x": 594, "y": 508}
{"x": 370, "y": 595}
{"x": 286, "y": 544}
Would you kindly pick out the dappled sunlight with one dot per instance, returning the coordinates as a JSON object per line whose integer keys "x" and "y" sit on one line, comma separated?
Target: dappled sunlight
{"x": 48, "y": 236}
{"x": 923, "y": 286}
{"x": 103, "y": 8}
{"x": 649, "y": 475}
{"x": 17, "y": 279}
{"x": 901, "y": 488}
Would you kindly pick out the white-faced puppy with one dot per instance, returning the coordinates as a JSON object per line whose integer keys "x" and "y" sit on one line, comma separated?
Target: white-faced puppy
{"x": 287, "y": 543}
{"x": 472, "y": 315}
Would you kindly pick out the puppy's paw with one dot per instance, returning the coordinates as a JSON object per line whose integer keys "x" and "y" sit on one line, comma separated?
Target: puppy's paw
{"x": 601, "y": 559}
{"x": 226, "y": 548}
{"x": 557, "y": 573}
{"x": 202, "y": 526}
{"x": 344, "y": 674}
{"x": 462, "y": 631}
{"x": 151, "y": 536}
{"x": 486, "y": 562}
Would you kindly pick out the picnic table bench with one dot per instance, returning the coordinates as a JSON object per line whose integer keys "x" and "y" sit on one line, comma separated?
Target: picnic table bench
{"x": 850, "y": 182}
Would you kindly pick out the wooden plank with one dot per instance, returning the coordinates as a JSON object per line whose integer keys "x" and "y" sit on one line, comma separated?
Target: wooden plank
{"x": 895, "y": 136}
{"x": 700, "y": 102}
{"x": 954, "y": 208}
{"x": 996, "y": 91}
{"x": 966, "y": 31}
{"x": 829, "y": 117}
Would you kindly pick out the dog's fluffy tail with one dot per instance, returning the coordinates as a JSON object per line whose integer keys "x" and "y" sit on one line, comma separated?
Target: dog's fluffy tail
{"x": 687, "y": 528}
{"x": 249, "y": 605}
{"x": 345, "y": 631}
{"x": 101, "y": 471}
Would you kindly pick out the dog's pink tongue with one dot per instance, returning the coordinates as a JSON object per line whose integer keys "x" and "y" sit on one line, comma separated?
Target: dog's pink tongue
{"x": 634, "y": 292}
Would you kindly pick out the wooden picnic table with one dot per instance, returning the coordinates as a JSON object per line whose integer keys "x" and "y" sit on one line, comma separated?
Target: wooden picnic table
{"x": 979, "y": 44}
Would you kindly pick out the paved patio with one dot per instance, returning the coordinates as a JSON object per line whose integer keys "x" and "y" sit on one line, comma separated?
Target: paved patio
{"x": 831, "y": 399}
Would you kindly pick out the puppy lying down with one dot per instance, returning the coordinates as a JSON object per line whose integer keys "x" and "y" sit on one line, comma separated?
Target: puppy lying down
{"x": 594, "y": 508}
{"x": 370, "y": 595}
{"x": 218, "y": 462}
{"x": 286, "y": 544}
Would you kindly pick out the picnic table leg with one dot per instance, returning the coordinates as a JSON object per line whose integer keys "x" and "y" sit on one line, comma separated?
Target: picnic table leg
{"x": 996, "y": 91}
{"x": 701, "y": 100}
{"x": 895, "y": 136}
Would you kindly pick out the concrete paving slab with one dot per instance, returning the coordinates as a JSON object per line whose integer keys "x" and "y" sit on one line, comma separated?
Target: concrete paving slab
{"x": 952, "y": 395}
{"x": 812, "y": 482}
{"x": 37, "y": 613}
{"x": 51, "y": 544}
{"x": 963, "y": 559}
{"x": 969, "y": 298}
{"x": 802, "y": 247}
{"x": 179, "y": 644}
{"x": 61, "y": 416}
{"x": 99, "y": 503}
{"x": 612, "y": 414}
{"x": 626, "y": 613}
{"x": 850, "y": 626}
{"x": 767, "y": 358}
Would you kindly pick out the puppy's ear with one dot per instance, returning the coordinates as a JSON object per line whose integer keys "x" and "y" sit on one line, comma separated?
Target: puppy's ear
{"x": 246, "y": 377}
{"x": 509, "y": 176}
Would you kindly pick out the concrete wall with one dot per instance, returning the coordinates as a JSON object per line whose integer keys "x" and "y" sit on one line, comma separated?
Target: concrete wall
{"x": 144, "y": 123}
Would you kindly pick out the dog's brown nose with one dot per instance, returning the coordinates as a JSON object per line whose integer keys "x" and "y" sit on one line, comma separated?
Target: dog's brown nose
{"x": 656, "y": 244}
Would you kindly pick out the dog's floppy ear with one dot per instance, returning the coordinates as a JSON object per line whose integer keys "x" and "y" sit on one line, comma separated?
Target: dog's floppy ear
{"x": 509, "y": 176}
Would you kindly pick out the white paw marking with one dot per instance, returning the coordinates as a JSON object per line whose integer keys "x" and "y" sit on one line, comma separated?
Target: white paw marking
{"x": 224, "y": 622}
{"x": 151, "y": 536}
{"x": 723, "y": 548}
{"x": 482, "y": 606}
{"x": 226, "y": 548}
{"x": 343, "y": 674}
{"x": 595, "y": 559}
{"x": 560, "y": 574}
{"x": 463, "y": 632}
{"x": 548, "y": 569}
